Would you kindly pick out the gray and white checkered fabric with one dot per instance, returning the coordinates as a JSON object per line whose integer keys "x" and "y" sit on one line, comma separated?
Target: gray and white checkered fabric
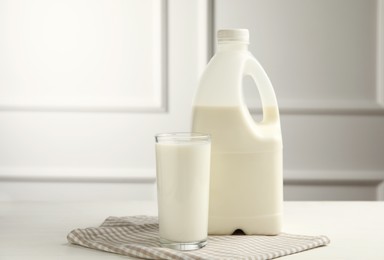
{"x": 137, "y": 236}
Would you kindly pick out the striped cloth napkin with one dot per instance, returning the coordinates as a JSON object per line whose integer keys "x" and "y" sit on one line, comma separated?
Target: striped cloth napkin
{"x": 137, "y": 236}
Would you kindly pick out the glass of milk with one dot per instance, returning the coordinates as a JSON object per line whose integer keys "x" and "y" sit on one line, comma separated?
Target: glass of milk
{"x": 183, "y": 168}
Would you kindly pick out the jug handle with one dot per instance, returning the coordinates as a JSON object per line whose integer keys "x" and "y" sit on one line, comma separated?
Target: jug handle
{"x": 267, "y": 94}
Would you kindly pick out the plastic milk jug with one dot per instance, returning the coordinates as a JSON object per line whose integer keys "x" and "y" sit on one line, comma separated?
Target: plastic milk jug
{"x": 246, "y": 185}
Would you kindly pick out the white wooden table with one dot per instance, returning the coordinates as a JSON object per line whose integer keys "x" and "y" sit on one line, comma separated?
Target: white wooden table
{"x": 38, "y": 230}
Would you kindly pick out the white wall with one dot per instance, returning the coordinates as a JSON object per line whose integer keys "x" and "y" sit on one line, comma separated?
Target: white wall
{"x": 84, "y": 86}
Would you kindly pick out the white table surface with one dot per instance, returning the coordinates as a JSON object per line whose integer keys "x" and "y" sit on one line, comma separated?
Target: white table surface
{"x": 38, "y": 230}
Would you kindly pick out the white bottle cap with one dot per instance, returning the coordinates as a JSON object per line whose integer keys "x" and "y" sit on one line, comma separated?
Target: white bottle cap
{"x": 233, "y": 35}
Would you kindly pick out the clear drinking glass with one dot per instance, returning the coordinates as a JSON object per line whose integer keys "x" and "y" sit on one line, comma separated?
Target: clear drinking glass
{"x": 183, "y": 168}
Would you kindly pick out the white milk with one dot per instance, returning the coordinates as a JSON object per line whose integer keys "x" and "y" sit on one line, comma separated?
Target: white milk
{"x": 183, "y": 190}
{"x": 246, "y": 190}
{"x": 246, "y": 170}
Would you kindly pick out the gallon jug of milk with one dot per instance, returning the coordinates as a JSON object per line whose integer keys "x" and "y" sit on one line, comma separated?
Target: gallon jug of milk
{"x": 246, "y": 185}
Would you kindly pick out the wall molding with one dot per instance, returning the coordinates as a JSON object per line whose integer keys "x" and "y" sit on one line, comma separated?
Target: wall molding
{"x": 206, "y": 30}
{"x": 318, "y": 107}
{"x": 380, "y": 53}
{"x": 16, "y": 173}
{"x": 347, "y": 176}
{"x": 61, "y": 174}
{"x": 156, "y": 102}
